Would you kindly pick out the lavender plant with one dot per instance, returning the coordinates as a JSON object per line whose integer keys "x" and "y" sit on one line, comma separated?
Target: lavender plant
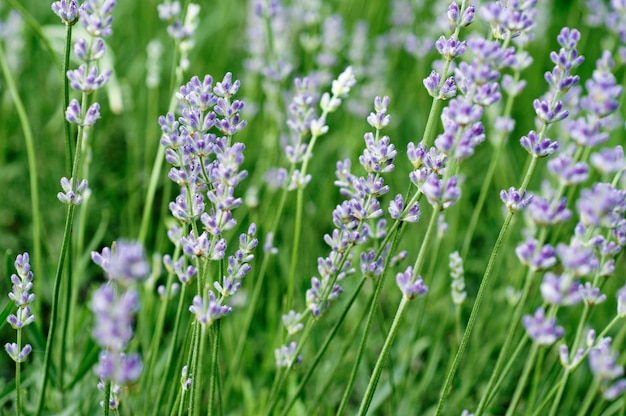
{"x": 433, "y": 267}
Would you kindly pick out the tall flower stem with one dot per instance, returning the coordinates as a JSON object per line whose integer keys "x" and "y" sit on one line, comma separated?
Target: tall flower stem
{"x": 32, "y": 169}
{"x": 368, "y": 325}
{"x": 484, "y": 284}
{"x": 382, "y": 356}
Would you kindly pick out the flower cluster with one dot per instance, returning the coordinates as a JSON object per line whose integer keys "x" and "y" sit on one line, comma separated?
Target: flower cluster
{"x": 180, "y": 30}
{"x": 207, "y": 167}
{"x": 114, "y": 305}
{"x": 22, "y": 284}
{"x": 96, "y": 17}
{"x": 604, "y": 366}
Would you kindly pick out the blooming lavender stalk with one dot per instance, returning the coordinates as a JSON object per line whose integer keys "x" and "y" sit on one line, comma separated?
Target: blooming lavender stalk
{"x": 96, "y": 18}
{"x": 114, "y": 305}
{"x": 207, "y": 166}
{"x": 548, "y": 111}
{"x": 22, "y": 285}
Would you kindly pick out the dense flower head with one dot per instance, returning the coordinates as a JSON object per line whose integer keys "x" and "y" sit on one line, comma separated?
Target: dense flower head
{"x": 568, "y": 171}
{"x": 603, "y": 361}
{"x": 96, "y": 17}
{"x": 514, "y": 200}
{"x": 208, "y": 310}
{"x": 537, "y": 145}
{"x": 22, "y": 283}
{"x": 87, "y": 79}
{"x": 544, "y": 212}
{"x": 535, "y": 257}
{"x": 602, "y": 205}
{"x": 124, "y": 263}
{"x": 410, "y": 285}
{"x": 577, "y": 258}
{"x": 560, "y": 289}
{"x": 119, "y": 367}
{"x": 440, "y": 193}
{"x": 542, "y": 330}
{"x": 114, "y": 316}
{"x": 67, "y": 10}
{"x": 609, "y": 160}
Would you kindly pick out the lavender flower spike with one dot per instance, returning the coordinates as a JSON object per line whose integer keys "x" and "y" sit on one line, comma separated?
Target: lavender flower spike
{"x": 410, "y": 286}
{"x": 543, "y": 331}
{"x": 514, "y": 200}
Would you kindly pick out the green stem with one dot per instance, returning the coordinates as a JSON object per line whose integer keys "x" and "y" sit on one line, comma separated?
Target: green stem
{"x": 323, "y": 349}
{"x": 472, "y": 319}
{"x": 382, "y": 357}
{"x": 366, "y": 331}
{"x": 214, "y": 368}
{"x": 521, "y": 385}
{"x": 170, "y": 358}
{"x": 591, "y": 394}
{"x": 32, "y": 170}
{"x": 107, "y": 398}
{"x": 18, "y": 375}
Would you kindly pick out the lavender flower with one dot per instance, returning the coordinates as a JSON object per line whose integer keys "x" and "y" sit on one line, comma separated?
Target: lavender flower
{"x": 514, "y": 200}
{"x": 458, "y": 278}
{"x": 535, "y": 257}
{"x": 542, "y": 330}
{"x": 286, "y": 355}
{"x": 410, "y": 285}
{"x": 538, "y": 147}
{"x": 602, "y": 205}
{"x": 591, "y": 295}
{"x": 208, "y": 310}
{"x": 609, "y": 160}
{"x": 560, "y": 290}
{"x": 74, "y": 192}
{"x": 22, "y": 284}
{"x": 67, "y": 10}
{"x": 124, "y": 263}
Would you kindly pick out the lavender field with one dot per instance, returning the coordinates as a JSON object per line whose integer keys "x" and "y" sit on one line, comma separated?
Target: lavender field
{"x": 313, "y": 207}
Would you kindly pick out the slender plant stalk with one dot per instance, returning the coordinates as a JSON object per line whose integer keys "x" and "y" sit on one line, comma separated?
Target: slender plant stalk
{"x": 107, "y": 398}
{"x": 32, "y": 171}
{"x": 321, "y": 350}
{"x": 368, "y": 325}
{"x": 213, "y": 384}
{"x": 382, "y": 357}
{"x": 521, "y": 385}
{"x": 484, "y": 284}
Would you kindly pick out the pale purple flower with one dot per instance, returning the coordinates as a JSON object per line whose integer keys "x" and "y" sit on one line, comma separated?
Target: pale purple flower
{"x": 209, "y": 310}
{"x": 67, "y": 10}
{"x": 410, "y": 285}
{"x": 538, "y": 146}
{"x": 609, "y": 160}
{"x": 119, "y": 367}
{"x": 292, "y": 322}
{"x": 536, "y": 258}
{"x": 73, "y": 191}
{"x": 125, "y": 263}
{"x": 544, "y": 212}
{"x": 542, "y": 330}
{"x": 591, "y": 295}
{"x": 114, "y": 316}
{"x": 602, "y": 205}
{"x": 603, "y": 361}
{"x": 560, "y": 290}
{"x": 577, "y": 258}
{"x": 286, "y": 355}
{"x": 514, "y": 200}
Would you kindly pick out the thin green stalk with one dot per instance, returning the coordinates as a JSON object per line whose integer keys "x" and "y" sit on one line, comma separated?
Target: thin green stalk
{"x": 567, "y": 370}
{"x": 484, "y": 284}
{"x": 175, "y": 79}
{"x": 32, "y": 173}
{"x": 146, "y": 378}
{"x": 199, "y": 373}
{"x": 107, "y": 398}
{"x": 321, "y": 350}
{"x": 170, "y": 357}
{"x": 382, "y": 357}
{"x": 214, "y": 367}
{"x": 521, "y": 385}
{"x": 588, "y": 400}
{"x": 18, "y": 375}
{"x": 368, "y": 325}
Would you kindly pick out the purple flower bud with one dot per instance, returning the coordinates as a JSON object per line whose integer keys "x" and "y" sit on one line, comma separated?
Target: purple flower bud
{"x": 538, "y": 146}
{"x": 409, "y": 285}
{"x": 542, "y": 330}
{"x": 513, "y": 200}
{"x": 560, "y": 290}
{"x": 66, "y": 10}
{"x": 609, "y": 160}
{"x": 603, "y": 362}
{"x": 535, "y": 257}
